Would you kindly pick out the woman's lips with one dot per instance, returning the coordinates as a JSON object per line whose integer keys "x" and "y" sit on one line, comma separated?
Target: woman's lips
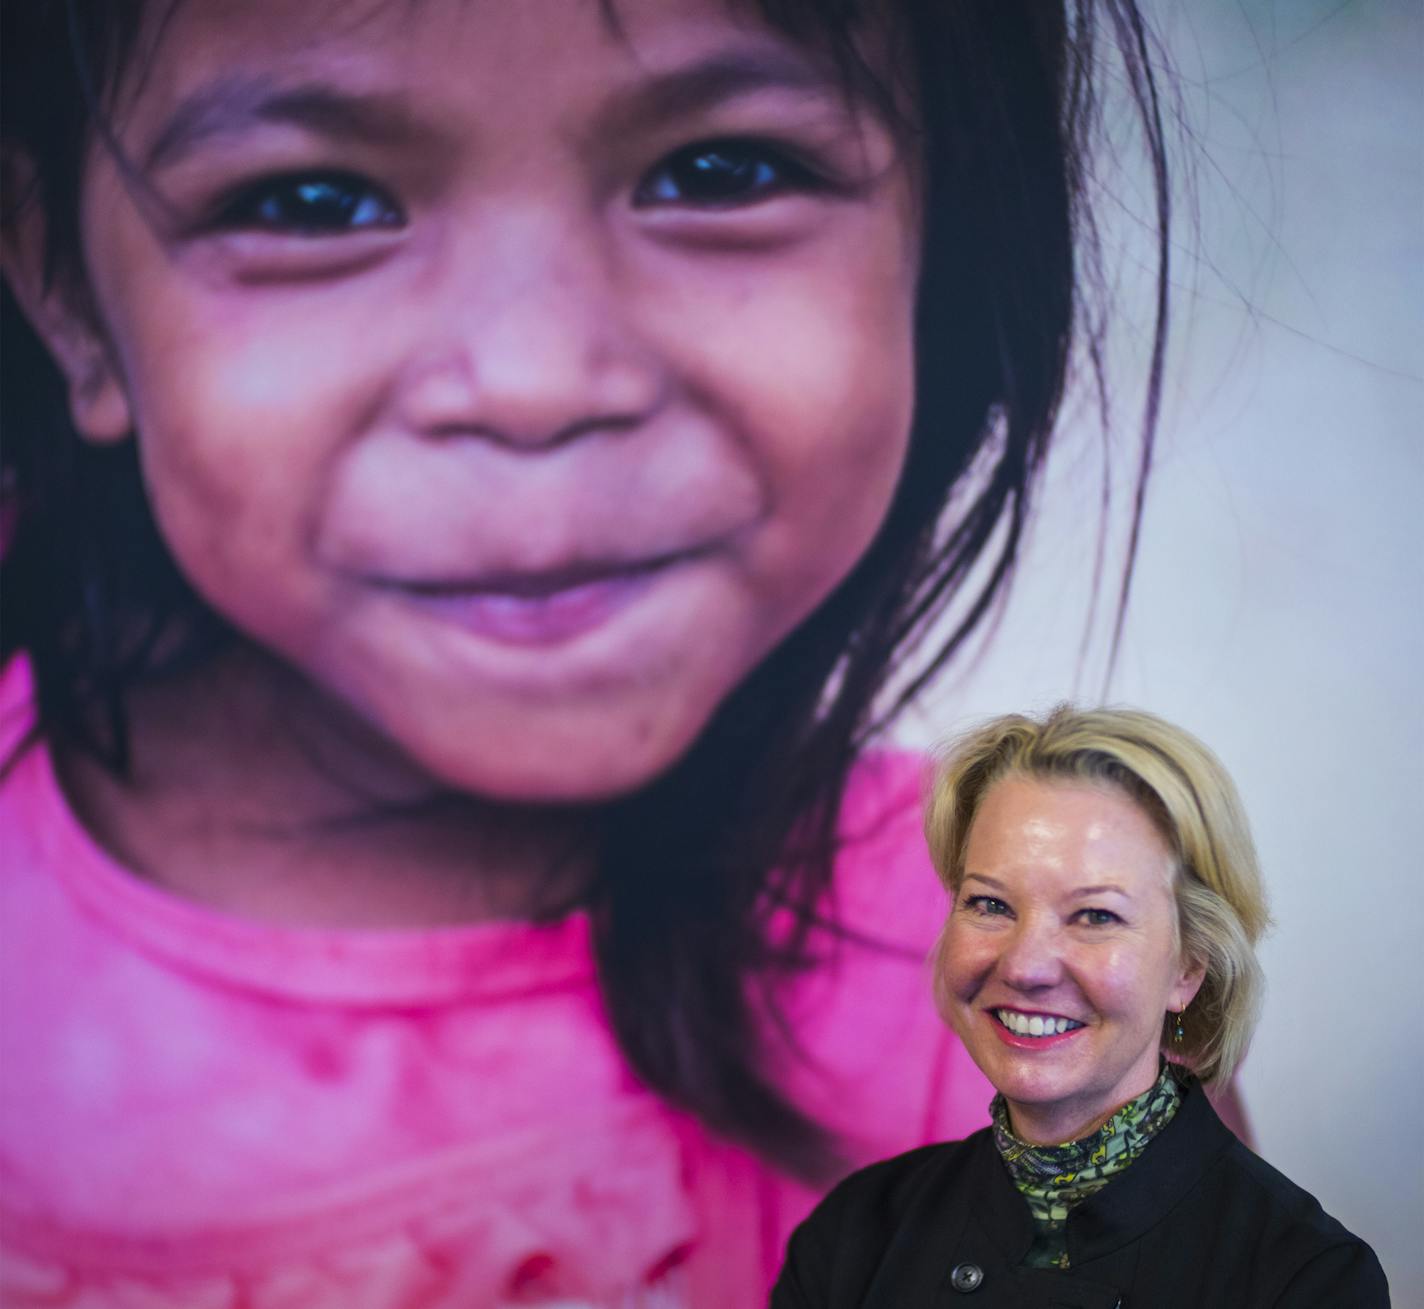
{"x": 537, "y": 609}
{"x": 1027, "y": 1041}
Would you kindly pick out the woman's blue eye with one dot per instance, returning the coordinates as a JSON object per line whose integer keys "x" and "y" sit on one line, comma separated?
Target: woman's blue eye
{"x": 722, "y": 173}
{"x": 987, "y": 905}
{"x": 311, "y": 204}
{"x": 1098, "y": 917}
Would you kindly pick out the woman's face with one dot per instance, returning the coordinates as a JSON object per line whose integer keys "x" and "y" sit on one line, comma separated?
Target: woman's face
{"x": 1060, "y": 952}
{"x": 520, "y": 376}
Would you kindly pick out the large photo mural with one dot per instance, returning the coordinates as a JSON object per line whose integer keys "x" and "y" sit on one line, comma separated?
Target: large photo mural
{"x": 504, "y": 506}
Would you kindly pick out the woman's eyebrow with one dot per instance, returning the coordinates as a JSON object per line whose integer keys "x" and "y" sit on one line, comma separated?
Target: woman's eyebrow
{"x": 234, "y": 104}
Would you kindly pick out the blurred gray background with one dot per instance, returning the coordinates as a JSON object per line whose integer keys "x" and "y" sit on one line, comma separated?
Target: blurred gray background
{"x": 1278, "y": 606}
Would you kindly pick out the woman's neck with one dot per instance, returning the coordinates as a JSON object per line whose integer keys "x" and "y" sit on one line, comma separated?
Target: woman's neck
{"x": 1057, "y": 1124}
{"x": 254, "y": 793}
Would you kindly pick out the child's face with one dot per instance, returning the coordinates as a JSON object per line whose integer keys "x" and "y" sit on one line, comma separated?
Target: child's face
{"x": 521, "y": 381}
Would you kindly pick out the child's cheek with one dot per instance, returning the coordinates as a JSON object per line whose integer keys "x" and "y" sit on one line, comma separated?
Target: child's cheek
{"x": 239, "y": 417}
{"x": 838, "y": 385}
{"x": 807, "y": 358}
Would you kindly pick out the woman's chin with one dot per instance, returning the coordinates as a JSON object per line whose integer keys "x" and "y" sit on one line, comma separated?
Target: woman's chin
{"x": 1054, "y": 1122}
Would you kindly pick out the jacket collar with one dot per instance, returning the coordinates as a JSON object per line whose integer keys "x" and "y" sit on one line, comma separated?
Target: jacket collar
{"x": 1136, "y": 1199}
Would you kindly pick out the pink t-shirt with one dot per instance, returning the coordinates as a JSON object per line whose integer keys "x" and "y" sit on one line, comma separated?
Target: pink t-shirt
{"x": 202, "y": 1112}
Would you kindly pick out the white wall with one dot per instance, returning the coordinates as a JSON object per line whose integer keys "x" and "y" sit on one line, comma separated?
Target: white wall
{"x": 1278, "y": 607}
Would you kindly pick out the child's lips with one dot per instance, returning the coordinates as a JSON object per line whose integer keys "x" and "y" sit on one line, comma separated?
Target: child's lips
{"x": 545, "y": 607}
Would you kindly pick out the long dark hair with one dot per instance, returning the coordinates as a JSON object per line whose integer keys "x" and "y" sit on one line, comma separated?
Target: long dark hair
{"x": 743, "y": 827}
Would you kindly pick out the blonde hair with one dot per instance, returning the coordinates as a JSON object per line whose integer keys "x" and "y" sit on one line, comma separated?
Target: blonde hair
{"x": 1182, "y": 786}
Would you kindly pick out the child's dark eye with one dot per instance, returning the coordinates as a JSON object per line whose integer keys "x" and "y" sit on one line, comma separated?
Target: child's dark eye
{"x": 311, "y": 204}
{"x": 722, "y": 173}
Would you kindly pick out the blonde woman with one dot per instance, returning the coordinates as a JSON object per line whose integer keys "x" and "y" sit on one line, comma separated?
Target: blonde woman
{"x": 1099, "y": 964}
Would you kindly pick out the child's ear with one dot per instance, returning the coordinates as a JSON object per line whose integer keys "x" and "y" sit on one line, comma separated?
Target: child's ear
{"x": 60, "y": 311}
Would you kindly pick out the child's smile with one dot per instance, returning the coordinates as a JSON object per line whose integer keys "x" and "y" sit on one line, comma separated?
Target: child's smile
{"x": 520, "y": 380}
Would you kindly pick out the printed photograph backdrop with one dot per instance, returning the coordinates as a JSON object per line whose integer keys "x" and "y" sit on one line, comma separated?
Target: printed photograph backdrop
{"x": 1278, "y": 604}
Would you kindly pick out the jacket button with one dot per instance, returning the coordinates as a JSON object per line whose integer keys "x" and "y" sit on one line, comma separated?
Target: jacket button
{"x": 966, "y": 1277}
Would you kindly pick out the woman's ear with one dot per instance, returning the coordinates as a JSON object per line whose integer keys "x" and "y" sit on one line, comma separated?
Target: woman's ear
{"x": 1188, "y": 983}
{"x": 62, "y": 314}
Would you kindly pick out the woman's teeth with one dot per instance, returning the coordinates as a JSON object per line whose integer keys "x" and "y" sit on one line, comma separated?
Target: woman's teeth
{"x": 1034, "y": 1024}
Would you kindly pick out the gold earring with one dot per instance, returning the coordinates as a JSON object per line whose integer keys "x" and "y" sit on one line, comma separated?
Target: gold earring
{"x": 1178, "y": 1032}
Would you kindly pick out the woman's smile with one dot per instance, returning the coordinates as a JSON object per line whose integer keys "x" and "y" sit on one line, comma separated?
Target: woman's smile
{"x": 1030, "y": 1031}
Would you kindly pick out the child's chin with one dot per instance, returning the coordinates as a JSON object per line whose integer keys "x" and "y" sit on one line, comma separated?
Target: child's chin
{"x": 531, "y": 770}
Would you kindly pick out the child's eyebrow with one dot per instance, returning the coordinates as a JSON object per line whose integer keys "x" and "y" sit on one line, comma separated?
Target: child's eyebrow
{"x": 232, "y": 104}
{"x": 235, "y": 103}
{"x": 723, "y": 76}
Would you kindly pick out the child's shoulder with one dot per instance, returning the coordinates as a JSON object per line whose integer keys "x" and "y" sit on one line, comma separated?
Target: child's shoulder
{"x": 886, "y": 785}
{"x": 885, "y": 885}
{"x": 876, "y": 1064}
{"x": 17, "y": 706}
{"x": 31, "y": 803}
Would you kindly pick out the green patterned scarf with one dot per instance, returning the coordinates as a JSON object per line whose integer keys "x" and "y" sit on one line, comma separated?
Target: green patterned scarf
{"x": 1054, "y": 1178}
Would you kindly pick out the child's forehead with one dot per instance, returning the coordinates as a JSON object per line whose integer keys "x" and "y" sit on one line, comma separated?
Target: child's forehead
{"x": 666, "y": 52}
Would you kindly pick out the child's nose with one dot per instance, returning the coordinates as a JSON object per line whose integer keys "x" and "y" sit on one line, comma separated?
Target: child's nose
{"x": 531, "y": 343}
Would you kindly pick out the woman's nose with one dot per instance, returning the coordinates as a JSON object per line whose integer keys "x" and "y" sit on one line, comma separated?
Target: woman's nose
{"x": 530, "y": 341}
{"x": 1032, "y": 957}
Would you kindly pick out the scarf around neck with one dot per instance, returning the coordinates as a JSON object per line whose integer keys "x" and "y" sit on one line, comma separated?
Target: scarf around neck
{"x": 1053, "y": 1179}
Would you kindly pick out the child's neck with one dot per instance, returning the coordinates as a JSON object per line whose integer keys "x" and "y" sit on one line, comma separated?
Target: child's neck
{"x": 255, "y": 794}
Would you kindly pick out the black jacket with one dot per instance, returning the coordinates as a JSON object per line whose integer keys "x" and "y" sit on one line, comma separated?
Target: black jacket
{"x": 1197, "y": 1222}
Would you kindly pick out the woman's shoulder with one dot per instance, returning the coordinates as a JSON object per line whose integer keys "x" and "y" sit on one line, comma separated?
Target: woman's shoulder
{"x": 1269, "y": 1229}
{"x": 1245, "y": 1168}
{"x": 888, "y": 1187}
{"x": 906, "y": 1202}
{"x": 1297, "y": 1229}
{"x": 873, "y": 1203}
